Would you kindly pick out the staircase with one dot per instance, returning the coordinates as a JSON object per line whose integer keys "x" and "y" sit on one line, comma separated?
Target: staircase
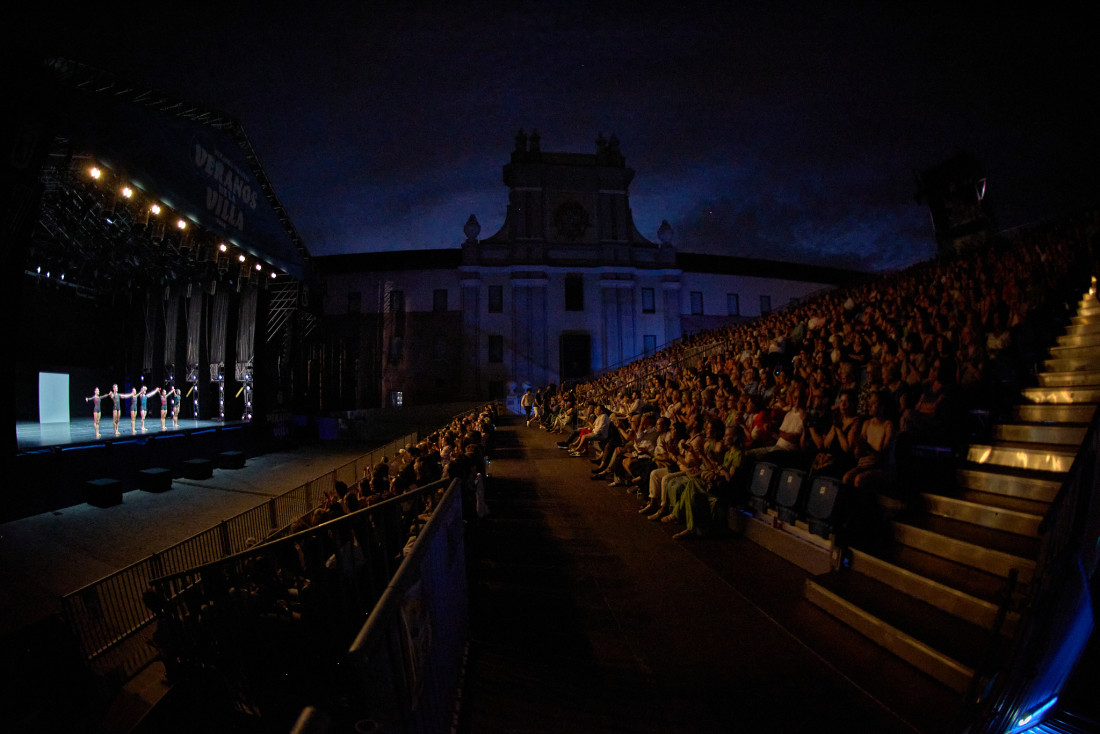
{"x": 932, "y": 592}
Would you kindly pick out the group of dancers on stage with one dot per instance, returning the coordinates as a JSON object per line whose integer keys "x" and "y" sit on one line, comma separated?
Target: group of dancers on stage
{"x": 169, "y": 403}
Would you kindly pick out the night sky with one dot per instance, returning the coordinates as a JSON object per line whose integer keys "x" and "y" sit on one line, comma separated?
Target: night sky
{"x": 789, "y": 131}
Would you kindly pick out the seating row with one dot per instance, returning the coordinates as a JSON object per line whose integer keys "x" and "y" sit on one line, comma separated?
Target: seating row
{"x": 793, "y": 498}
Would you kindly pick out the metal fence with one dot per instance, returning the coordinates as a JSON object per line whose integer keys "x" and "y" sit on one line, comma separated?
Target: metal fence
{"x": 108, "y": 617}
{"x": 270, "y": 626}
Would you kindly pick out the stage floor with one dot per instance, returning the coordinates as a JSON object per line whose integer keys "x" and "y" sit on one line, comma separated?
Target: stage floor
{"x": 30, "y": 435}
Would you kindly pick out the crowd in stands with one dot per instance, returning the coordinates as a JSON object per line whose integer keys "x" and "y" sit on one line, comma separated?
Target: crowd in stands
{"x": 313, "y": 586}
{"x": 850, "y": 384}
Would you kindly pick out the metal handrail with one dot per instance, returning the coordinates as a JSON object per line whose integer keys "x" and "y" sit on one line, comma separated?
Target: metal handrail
{"x": 108, "y": 612}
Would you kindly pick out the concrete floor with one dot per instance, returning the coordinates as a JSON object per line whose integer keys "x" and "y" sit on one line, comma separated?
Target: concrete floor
{"x": 584, "y": 616}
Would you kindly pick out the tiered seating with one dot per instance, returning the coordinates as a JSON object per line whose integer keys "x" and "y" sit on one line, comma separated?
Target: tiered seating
{"x": 931, "y": 590}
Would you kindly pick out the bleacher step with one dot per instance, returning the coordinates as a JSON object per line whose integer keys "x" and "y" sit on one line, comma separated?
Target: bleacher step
{"x": 1055, "y": 413}
{"x": 1076, "y": 328}
{"x": 950, "y": 596}
{"x": 1069, "y": 364}
{"x": 988, "y": 560}
{"x": 987, "y": 516}
{"x": 1064, "y": 435}
{"x": 1083, "y": 352}
{"x": 1079, "y": 340}
{"x": 1079, "y": 379}
{"x": 914, "y": 631}
{"x": 1004, "y": 502}
{"x": 966, "y": 579}
{"x": 1016, "y": 455}
{"x": 1032, "y": 486}
{"x": 1002, "y": 541}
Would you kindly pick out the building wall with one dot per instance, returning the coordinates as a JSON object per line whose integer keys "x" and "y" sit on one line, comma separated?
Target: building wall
{"x": 470, "y": 352}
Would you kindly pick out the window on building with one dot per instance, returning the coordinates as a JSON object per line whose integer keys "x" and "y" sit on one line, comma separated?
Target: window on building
{"x": 397, "y": 312}
{"x": 397, "y": 398}
{"x": 574, "y": 293}
{"x": 496, "y": 348}
{"x": 649, "y": 343}
{"x": 648, "y": 303}
{"x": 355, "y": 302}
{"x": 733, "y": 304}
{"x": 765, "y": 305}
{"x": 496, "y": 299}
{"x": 697, "y": 303}
{"x": 394, "y": 353}
{"x": 439, "y": 300}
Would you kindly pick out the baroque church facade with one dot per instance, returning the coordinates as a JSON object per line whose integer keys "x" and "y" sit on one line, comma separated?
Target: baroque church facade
{"x": 566, "y": 288}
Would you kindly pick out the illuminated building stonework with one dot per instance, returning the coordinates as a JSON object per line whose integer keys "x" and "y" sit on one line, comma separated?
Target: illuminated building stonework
{"x": 567, "y": 287}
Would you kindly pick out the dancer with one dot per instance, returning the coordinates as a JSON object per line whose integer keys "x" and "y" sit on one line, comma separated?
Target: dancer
{"x": 174, "y": 403}
{"x": 96, "y": 398}
{"x": 164, "y": 394}
{"x": 144, "y": 396}
{"x": 116, "y": 401}
{"x": 132, "y": 397}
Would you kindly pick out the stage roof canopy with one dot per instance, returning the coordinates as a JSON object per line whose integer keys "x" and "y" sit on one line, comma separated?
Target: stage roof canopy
{"x": 144, "y": 189}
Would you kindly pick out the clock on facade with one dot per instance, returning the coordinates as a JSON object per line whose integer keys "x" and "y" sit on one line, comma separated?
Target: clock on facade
{"x": 571, "y": 220}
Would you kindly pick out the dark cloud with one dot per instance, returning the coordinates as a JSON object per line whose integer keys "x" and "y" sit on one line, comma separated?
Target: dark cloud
{"x": 791, "y": 130}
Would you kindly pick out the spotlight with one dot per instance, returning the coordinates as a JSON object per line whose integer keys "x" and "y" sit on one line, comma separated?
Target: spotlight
{"x": 155, "y": 209}
{"x": 181, "y": 224}
{"x": 95, "y": 172}
{"x": 259, "y": 267}
{"x": 241, "y": 258}
{"x": 127, "y": 192}
{"x": 222, "y": 247}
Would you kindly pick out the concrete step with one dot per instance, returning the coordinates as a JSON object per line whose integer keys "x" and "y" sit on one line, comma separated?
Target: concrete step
{"x": 1088, "y": 353}
{"x": 955, "y": 589}
{"x": 1023, "y": 486}
{"x": 1063, "y": 435}
{"x": 973, "y": 553}
{"x": 1000, "y": 501}
{"x": 987, "y": 516}
{"x": 1060, "y": 395}
{"x": 1082, "y": 329}
{"x": 1025, "y": 456}
{"x": 1075, "y": 363}
{"x": 1055, "y": 413}
{"x": 1079, "y": 340}
{"x": 1079, "y": 378}
{"x": 944, "y": 647}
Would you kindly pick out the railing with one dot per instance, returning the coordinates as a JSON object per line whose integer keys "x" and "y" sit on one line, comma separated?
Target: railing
{"x": 1058, "y": 617}
{"x": 271, "y": 625}
{"x": 108, "y": 617}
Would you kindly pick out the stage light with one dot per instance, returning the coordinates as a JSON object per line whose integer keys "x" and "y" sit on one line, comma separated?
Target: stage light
{"x": 241, "y": 258}
{"x": 38, "y": 270}
{"x": 181, "y": 224}
{"x": 155, "y": 209}
{"x": 222, "y": 247}
{"x": 127, "y": 192}
{"x": 273, "y": 275}
{"x": 95, "y": 173}
{"x": 259, "y": 267}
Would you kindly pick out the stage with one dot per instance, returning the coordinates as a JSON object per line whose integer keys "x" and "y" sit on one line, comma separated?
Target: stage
{"x": 55, "y": 462}
{"x": 33, "y": 436}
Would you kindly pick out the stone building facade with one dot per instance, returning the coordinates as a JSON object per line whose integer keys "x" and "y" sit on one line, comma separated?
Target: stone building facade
{"x": 565, "y": 288}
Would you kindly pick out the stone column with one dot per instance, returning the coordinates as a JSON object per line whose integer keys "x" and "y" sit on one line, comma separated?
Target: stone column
{"x": 470, "y": 386}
